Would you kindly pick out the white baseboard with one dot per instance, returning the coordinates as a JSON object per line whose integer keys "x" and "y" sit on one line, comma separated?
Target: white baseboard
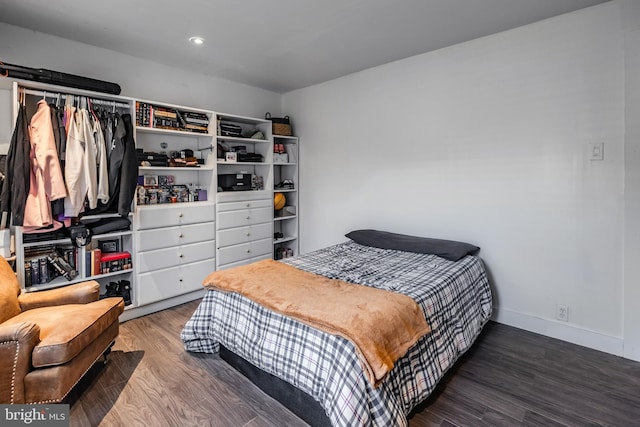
{"x": 560, "y": 330}
{"x": 133, "y": 312}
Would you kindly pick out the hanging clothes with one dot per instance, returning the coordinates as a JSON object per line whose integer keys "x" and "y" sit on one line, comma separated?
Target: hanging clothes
{"x": 46, "y": 180}
{"x": 74, "y": 164}
{"x": 91, "y": 152}
{"x": 129, "y": 170}
{"x": 114, "y": 133}
{"x": 89, "y": 159}
{"x": 101, "y": 161}
{"x": 60, "y": 137}
{"x": 17, "y": 180}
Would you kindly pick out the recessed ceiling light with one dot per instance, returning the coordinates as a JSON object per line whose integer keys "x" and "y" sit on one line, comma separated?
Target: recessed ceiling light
{"x": 197, "y": 41}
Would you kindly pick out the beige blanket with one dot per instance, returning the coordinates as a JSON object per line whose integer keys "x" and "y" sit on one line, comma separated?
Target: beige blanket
{"x": 382, "y": 325}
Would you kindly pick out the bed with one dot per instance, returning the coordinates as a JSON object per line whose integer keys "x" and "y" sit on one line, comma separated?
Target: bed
{"x": 319, "y": 375}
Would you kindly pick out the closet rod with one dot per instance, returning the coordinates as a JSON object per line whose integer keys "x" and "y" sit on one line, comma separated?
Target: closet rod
{"x": 54, "y": 94}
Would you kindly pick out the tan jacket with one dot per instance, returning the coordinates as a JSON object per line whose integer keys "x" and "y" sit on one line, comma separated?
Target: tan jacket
{"x": 46, "y": 180}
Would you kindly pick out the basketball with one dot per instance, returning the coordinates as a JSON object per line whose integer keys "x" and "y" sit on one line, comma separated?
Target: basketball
{"x": 279, "y": 201}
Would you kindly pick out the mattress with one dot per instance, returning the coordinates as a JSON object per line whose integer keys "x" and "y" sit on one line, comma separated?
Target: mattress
{"x": 454, "y": 296}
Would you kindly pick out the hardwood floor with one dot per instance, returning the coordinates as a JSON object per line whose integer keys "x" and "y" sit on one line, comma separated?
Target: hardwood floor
{"x": 509, "y": 378}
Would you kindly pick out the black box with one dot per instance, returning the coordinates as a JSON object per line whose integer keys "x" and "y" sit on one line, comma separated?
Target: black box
{"x": 235, "y": 181}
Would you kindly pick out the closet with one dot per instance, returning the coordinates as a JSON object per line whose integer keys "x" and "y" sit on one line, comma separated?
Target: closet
{"x": 81, "y": 170}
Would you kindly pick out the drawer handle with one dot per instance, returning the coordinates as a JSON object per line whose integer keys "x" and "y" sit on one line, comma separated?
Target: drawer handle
{"x": 248, "y": 216}
{"x": 181, "y": 235}
{"x": 248, "y": 251}
{"x": 180, "y": 280}
{"x": 248, "y": 205}
{"x": 180, "y": 215}
{"x": 248, "y": 234}
{"x": 181, "y": 256}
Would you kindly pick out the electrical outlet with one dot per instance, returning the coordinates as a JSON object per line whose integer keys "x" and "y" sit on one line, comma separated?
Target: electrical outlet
{"x": 596, "y": 151}
{"x": 562, "y": 312}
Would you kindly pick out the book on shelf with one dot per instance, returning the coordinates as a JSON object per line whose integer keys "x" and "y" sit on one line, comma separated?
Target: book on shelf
{"x": 193, "y": 120}
{"x": 44, "y": 263}
{"x": 157, "y": 116}
{"x": 165, "y": 112}
{"x": 92, "y": 262}
{"x": 35, "y": 271}
{"x": 115, "y": 261}
{"x": 196, "y": 127}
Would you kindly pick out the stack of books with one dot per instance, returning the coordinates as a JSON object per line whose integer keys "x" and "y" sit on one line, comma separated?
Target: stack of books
{"x": 39, "y": 270}
{"x": 194, "y": 122}
{"x": 115, "y": 261}
{"x": 155, "y": 116}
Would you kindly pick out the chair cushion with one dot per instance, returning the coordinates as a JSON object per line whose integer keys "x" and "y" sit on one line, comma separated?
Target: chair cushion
{"x": 9, "y": 291}
{"x": 65, "y": 330}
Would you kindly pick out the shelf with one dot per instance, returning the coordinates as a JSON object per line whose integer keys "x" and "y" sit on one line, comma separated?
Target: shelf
{"x": 172, "y": 168}
{"x": 241, "y": 140}
{"x": 284, "y": 190}
{"x": 244, "y": 163}
{"x": 183, "y": 133}
{"x": 113, "y": 273}
{"x": 281, "y": 218}
{"x": 164, "y": 205}
{"x": 284, "y": 239}
{"x": 59, "y": 282}
{"x": 242, "y": 119}
{"x": 63, "y": 241}
{"x": 113, "y": 234}
{"x": 292, "y": 139}
{"x": 285, "y": 164}
{"x": 55, "y": 283}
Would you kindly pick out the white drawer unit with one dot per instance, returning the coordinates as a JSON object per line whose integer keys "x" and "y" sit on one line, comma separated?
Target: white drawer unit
{"x": 245, "y": 231}
{"x": 236, "y": 236}
{"x": 168, "y": 215}
{"x": 170, "y": 282}
{"x": 244, "y": 217}
{"x": 248, "y": 204}
{"x": 175, "y": 255}
{"x": 243, "y": 251}
{"x": 158, "y": 238}
{"x": 244, "y": 262}
{"x": 176, "y": 249}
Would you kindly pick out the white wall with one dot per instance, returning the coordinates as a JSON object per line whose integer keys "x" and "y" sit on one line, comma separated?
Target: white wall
{"x": 487, "y": 142}
{"x": 631, "y": 22}
{"x": 137, "y": 77}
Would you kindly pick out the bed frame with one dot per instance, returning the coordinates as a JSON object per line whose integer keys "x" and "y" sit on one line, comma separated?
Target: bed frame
{"x": 296, "y": 400}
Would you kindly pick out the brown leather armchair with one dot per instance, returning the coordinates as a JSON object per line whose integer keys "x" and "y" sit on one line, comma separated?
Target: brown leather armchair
{"x": 50, "y": 339}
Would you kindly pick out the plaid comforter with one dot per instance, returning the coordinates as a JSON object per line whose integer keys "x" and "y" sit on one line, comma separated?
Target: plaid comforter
{"x": 455, "y": 297}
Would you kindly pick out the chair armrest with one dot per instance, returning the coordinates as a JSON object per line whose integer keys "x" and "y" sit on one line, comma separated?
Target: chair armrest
{"x": 16, "y": 345}
{"x": 79, "y": 293}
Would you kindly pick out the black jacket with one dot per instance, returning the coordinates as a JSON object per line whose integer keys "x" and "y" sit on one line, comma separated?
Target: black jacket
{"x": 123, "y": 167}
{"x": 16, "y": 183}
{"x": 129, "y": 169}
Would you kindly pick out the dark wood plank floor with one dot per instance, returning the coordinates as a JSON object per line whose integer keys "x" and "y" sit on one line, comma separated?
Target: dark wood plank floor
{"x": 509, "y": 378}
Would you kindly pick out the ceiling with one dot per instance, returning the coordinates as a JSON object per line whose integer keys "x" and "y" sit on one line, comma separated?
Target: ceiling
{"x": 278, "y": 45}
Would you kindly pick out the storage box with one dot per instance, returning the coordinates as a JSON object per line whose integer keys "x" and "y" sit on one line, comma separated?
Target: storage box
{"x": 235, "y": 181}
{"x": 280, "y": 125}
{"x": 280, "y": 158}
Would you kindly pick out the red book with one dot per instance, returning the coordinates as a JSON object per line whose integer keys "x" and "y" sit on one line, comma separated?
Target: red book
{"x": 114, "y": 256}
{"x": 95, "y": 261}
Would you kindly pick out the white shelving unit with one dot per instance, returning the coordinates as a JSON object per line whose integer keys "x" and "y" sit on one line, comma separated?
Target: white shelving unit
{"x": 174, "y": 236}
{"x": 174, "y": 245}
{"x": 285, "y": 221}
{"x": 245, "y": 218}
